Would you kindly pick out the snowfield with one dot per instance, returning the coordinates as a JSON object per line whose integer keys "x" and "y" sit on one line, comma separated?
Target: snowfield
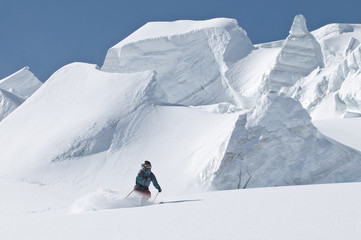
{"x": 212, "y": 112}
{"x": 328, "y": 211}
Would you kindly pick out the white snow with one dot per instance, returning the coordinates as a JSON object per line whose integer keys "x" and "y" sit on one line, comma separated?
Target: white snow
{"x": 276, "y": 145}
{"x": 247, "y": 75}
{"x": 190, "y": 59}
{"x": 154, "y": 30}
{"x": 15, "y": 89}
{"x": 22, "y": 83}
{"x": 346, "y": 131}
{"x": 331, "y": 92}
{"x": 8, "y": 103}
{"x": 211, "y": 112}
{"x": 99, "y": 121}
{"x": 300, "y": 54}
{"x": 302, "y": 212}
{"x": 69, "y": 117}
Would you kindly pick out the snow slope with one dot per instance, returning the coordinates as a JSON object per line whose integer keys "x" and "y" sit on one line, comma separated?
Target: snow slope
{"x": 302, "y": 212}
{"x": 246, "y": 76}
{"x": 114, "y": 125}
{"x": 346, "y": 131}
{"x": 52, "y": 112}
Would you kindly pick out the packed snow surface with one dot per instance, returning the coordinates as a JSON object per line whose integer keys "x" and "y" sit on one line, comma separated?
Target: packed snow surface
{"x": 302, "y": 212}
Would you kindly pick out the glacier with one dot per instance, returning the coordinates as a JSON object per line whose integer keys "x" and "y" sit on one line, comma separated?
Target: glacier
{"x": 200, "y": 101}
{"x": 208, "y": 108}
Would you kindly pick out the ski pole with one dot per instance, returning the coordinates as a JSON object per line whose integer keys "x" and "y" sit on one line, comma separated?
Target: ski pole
{"x": 155, "y": 197}
{"x": 129, "y": 194}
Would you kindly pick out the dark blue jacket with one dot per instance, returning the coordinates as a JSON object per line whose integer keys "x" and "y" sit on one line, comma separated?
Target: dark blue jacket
{"x": 143, "y": 180}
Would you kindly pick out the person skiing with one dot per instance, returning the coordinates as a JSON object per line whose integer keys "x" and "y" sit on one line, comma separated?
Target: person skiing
{"x": 143, "y": 179}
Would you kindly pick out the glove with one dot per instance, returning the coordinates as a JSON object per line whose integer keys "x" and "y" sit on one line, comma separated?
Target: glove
{"x": 159, "y": 189}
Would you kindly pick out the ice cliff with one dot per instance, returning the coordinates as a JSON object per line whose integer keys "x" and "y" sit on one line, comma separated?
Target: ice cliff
{"x": 190, "y": 58}
{"x": 276, "y": 144}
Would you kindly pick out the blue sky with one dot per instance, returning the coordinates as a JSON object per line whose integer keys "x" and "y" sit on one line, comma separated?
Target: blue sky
{"x": 48, "y": 34}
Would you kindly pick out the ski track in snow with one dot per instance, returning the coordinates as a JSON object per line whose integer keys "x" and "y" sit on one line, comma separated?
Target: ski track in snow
{"x": 328, "y": 211}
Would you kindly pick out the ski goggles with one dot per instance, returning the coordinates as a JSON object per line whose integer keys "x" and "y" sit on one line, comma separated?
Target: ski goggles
{"x": 148, "y": 167}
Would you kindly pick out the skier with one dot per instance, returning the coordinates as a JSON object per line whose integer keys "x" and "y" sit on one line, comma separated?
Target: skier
{"x": 143, "y": 179}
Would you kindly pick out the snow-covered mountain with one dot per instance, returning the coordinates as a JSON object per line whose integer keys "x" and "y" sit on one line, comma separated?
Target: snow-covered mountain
{"x": 198, "y": 99}
{"x": 15, "y": 89}
{"x": 211, "y": 111}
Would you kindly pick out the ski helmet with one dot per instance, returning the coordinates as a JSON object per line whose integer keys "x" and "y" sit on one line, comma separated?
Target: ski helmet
{"x": 147, "y": 164}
